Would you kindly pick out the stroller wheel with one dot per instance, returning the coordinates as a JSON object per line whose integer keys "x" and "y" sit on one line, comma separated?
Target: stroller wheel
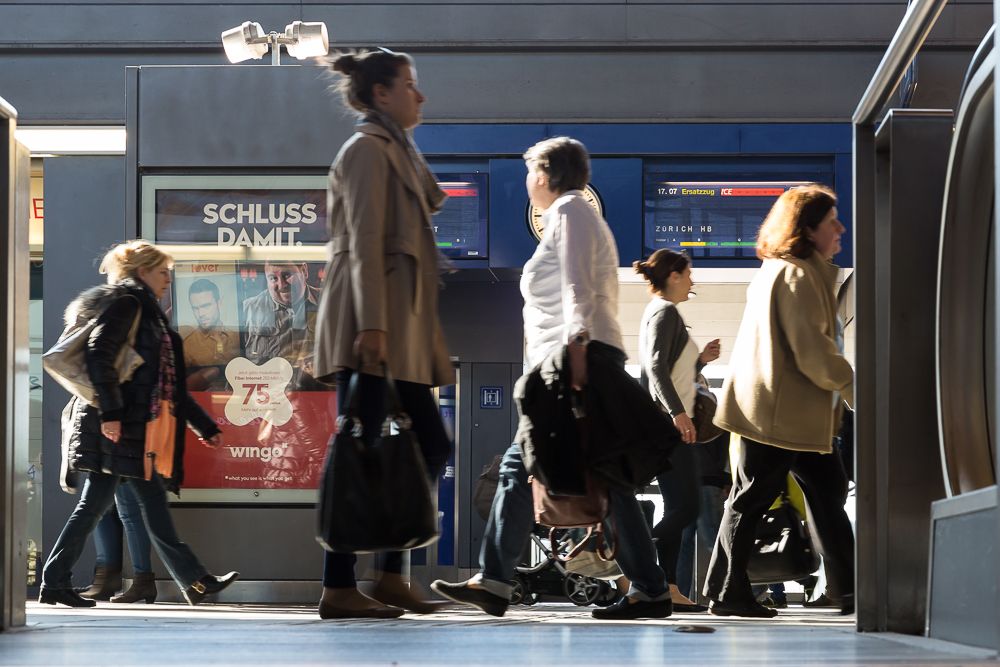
{"x": 521, "y": 594}
{"x": 582, "y": 590}
{"x": 610, "y": 594}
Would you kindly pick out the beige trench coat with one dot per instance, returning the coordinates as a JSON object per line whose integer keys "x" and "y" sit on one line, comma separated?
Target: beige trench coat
{"x": 382, "y": 262}
{"x": 786, "y": 366}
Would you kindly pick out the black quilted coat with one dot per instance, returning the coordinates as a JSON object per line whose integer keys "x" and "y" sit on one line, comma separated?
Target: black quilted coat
{"x": 88, "y": 450}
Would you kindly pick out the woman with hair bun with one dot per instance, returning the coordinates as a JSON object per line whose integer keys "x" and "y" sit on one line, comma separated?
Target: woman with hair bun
{"x": 787, "y": 378}
{"x": 379, "y": 304}
{"x": 670, "y": 365}
{"x": 135, "y": 435}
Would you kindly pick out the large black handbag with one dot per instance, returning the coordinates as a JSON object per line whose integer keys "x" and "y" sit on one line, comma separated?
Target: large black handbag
{"x": 375, "y": 498}
{"x": 783, "y": 550}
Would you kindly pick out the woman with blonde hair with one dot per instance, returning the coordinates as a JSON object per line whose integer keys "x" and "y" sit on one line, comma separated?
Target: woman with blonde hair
{"x": 787, "y": 377}
{"x": 135, "y": 434}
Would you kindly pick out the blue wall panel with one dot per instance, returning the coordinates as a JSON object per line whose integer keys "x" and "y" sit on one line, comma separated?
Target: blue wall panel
{"x": 619, "y": 182}
{"x": 477, "y": 139}
{"x": 816, "y": 138}
{"x": 763, "y": 148}
{"x": 511, "y": 244}
{"x": 843, "y": 185}
{"x": 691, "y": 139}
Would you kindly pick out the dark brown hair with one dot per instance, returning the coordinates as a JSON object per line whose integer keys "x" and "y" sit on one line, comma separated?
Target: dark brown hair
{"x": 783, "y": 233}
{"x": 565, "y": 161}
{"x": 361, "y": 70}
{"x": 660, "y": 265}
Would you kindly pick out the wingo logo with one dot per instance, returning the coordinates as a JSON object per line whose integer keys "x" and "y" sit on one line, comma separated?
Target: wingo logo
{"x": 265, "y": 454}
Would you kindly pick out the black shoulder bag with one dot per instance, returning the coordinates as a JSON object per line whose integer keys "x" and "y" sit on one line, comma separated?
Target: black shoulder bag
{"x": 375, "y": 498}
{"x": 783, "y": 550}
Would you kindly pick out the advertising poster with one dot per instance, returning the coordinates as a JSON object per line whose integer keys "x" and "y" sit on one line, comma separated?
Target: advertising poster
{"x": 249, "y": 335}
{"x": 206, "y": 312}
{"x": 251, "y": 218}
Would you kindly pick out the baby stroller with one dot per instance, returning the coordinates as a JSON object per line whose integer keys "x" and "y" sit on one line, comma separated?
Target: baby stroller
{"x": 550, "y": 577}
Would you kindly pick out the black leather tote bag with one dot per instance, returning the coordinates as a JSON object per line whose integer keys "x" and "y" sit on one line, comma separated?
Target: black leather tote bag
{"x": 783, "y": 550}
{"x": 375, "y": 498}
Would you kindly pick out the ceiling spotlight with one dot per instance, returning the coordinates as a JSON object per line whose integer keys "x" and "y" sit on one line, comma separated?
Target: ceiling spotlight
{"x": 244, "y": 42}
{"x": 309, "y": 40}
{"x": 303, "y": 40}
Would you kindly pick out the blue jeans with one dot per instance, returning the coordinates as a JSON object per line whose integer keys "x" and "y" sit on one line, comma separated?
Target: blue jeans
{"x": 512, "y": 519}
{"x": 95, "y": 500}
{"x": 713, "y": 504}
{"x": 139, "y": 545}
{"x": 108, "y": 539}
{"x": 124, "y": 513}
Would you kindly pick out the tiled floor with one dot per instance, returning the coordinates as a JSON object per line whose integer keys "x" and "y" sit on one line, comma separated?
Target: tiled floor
{"x": 550, "y": 635}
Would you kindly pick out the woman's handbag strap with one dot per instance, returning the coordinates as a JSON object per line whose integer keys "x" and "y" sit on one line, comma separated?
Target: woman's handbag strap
{"x": 395, "y": 414}
{"x": 602, "y": 540}
{"x": 575, "y": 551}
{"x": 350, "y": 419}
{"x": 130, "y": 341}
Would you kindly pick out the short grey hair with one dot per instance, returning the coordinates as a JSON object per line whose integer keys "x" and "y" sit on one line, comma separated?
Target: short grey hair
{"x": 565, "y": 161}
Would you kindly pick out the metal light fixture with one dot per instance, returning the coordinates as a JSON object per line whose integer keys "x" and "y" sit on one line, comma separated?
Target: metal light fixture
{"x": 303, "y": 40}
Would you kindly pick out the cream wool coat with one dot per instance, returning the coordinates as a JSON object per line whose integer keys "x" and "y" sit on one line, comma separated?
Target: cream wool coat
{"x": 382, "y": 262}
{"x": 785, "y": 366}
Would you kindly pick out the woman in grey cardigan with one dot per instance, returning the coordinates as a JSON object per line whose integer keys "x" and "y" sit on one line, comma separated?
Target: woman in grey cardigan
{"x": 670, "y": 365}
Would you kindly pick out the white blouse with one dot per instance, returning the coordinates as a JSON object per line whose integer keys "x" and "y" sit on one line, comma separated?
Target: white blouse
{"x": 684, "y": 374}
{"x": 570, "y": 284}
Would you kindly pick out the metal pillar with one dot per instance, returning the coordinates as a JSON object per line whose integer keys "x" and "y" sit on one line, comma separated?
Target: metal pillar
{"x": 912, "y": 147}
{"x": 14, "y": 278}
{"x": 996, "y": 294}
{"x": 866, "y": 584}
{"x": 913, "y": 30}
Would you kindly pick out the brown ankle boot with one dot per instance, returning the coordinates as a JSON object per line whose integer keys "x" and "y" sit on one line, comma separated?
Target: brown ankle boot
{"x": 143, "y": 588}
{"x": 400, "y": 595}
{"x": 107, "y": 581}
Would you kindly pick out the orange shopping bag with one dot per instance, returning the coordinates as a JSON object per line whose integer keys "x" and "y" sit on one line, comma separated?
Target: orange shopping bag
{"x": 160, "y": 435}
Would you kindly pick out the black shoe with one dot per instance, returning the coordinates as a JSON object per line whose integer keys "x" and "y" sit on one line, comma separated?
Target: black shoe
{"x": 821, "y": 601}
{"x": 749, "y": 609}
{"x": 683, "y": 608}
{"x": 846, "y": 605}
{"x": 66, "y": 596}
{"x": 491, "y": 603}
{"x": 208, "y": 585}
{"x": 772, "y": 602}
{"x": 627, "y": 610}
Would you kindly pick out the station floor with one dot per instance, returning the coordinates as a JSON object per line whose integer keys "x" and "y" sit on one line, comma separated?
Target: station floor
{"x": 553, "y": 635}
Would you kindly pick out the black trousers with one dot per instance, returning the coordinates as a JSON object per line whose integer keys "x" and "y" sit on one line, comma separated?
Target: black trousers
{"x": 418, "y": 403}
{"x": 681, "y": 491}
{"x": 760, "y": 478}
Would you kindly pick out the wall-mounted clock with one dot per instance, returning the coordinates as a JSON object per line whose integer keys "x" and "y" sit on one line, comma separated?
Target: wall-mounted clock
{"x": 534, "y": 215}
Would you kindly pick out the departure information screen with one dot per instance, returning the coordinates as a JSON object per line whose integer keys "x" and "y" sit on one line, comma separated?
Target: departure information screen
{"x": 719, "y": 220}
{"x": 461, "y": 228}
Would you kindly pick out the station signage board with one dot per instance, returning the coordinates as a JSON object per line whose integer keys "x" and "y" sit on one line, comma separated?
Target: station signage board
{"x": 707, "y": 219}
